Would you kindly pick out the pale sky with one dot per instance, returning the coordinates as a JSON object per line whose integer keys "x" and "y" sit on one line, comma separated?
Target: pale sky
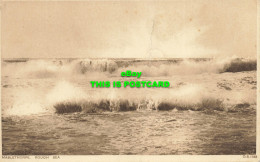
{"x": 166, "y": 29}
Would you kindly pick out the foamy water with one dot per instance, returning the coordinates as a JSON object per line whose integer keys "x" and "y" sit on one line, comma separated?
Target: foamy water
{"x": 198, "y": 114}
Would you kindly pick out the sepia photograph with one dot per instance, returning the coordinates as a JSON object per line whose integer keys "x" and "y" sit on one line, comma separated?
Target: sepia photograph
{"x": 129, "y": 78}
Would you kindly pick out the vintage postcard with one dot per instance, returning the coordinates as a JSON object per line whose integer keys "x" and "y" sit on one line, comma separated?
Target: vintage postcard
{"x": 129, "y": 80}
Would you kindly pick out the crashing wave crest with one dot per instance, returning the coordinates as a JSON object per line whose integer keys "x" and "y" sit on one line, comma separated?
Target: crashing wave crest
{"x": 60, "y": 67}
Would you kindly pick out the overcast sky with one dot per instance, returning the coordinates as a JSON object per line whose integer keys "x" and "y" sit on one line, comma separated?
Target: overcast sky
{"x": 184, "y": 28}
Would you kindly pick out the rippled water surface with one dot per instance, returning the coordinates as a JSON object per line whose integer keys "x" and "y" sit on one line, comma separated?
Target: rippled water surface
{"x": 182, "y": 132}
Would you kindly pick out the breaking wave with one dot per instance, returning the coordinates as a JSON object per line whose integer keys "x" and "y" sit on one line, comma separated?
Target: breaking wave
{"x": 66, "y": 67}
{"x": 206, "y": 105}
{"x": 66, "y": 97}
{"x": 188, "y": 97}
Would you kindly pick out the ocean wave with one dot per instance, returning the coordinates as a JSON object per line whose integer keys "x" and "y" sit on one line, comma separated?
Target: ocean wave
{"x": 186, "y": 97}
{"x": 46, "y": 68}
{"x": 205, "y": 105}
{"x": 66, "y": 97}
{"x": 238, "y": 65}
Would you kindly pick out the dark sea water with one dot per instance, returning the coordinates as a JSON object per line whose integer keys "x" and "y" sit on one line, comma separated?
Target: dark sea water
{"x": 177, "y": 133}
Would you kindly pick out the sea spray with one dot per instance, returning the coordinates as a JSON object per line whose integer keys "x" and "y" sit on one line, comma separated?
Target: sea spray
{"x": 28, "y": 108}
{"x": 25, "y": 103}
{"x": 189, "y": 97}
{"x": 66, "y": 68}
{"x": 65, "y": 91}
{"x": 64, "y": 83}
